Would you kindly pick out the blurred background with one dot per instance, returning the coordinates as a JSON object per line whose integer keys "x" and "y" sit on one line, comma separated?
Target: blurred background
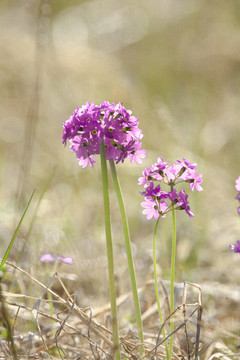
{"x": 176, "y": 65}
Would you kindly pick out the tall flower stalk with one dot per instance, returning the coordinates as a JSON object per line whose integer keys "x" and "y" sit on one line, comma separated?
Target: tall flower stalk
{"x": 111, "y": 274}
{"x": 156, "y": 285}
{"x": 111, "y": 131}
{"x": 173, "y": 258}
{"x": 157, "y": 203}
{"x": 129, "y": 253}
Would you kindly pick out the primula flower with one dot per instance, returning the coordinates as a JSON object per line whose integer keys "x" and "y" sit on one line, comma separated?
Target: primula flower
{"x": 137, "y": 154}
{"x": 195, "y": 181}
{"x": 47, "y": 257}
{"x": 237, "y": 184}
{"x": 65, "y": 260}
{"x": 159, "y": 202}
{"x": 153, "y": 208}
{"x": 237, "y": 187}
{"x": 146, "y": 176}
{"x": 185, "y": 163}
{"x": 172, "y": 172}
{"x": 154, "y": 192}
{"x": 238, "y": 198}
{"x": 235, "y": 248}
{"x": 183, "y": 203}
{"x": 160, "y": 165}
{"x": 116, "y": 126}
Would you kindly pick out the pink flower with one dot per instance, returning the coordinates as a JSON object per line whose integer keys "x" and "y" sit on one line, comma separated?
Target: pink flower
{"x": 237, "y": 187}
{"x": 83, "y": 162}
{"x": 172, "y": 172}
{"x": 137, "y": 154}
{"x": 47, "y": 257}
{"x": 185, "y": 163}
{"x": 237, "y": 184}
{"x": 183, "y": 203}
{"x": 195, "y": 182}
{"x": 145, "y": 178}
{"x": 154, "y": 208}
{"x": 66, "y": 260}
{"x": 235, "y": 248}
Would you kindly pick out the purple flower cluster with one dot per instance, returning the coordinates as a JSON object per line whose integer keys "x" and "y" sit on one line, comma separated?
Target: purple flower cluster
{"x": 117, "y": 127}
{"x": 158, "y": 202}
{"x": 237, "y": 187}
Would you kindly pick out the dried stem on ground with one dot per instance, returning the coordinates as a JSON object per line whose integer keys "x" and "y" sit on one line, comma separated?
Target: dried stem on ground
{"x": 56, "y": 327}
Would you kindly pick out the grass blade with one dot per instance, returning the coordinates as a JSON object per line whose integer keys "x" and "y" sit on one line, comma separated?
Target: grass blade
{"x": 15, "y": 234}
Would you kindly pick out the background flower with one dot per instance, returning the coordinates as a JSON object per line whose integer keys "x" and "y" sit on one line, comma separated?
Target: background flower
{"x": 47, "y": 257}
{"x": 237, "y": 184}
{"x": 235, "y": 248}
{"x": 237, "y": 187}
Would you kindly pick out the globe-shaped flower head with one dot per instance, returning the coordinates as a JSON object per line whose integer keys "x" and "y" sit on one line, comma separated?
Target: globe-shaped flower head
{"x": 117, "y": 127}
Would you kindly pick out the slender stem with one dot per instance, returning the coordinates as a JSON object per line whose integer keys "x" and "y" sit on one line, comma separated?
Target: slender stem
{"x": 174, "y": 238}
{"x": 156, "y": 285}
{"x": 15, "y": 234}
{"x": 112, "y": 287}
{"x": 129, "y": 253}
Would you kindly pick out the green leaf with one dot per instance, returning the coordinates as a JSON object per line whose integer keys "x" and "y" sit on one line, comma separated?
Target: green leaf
{"x": 15, "y": 234}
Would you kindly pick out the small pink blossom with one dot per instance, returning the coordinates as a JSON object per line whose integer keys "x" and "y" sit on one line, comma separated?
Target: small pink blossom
{"x": 137, "y": 154}
{"x": 196, "y": 180}
{"x": 47, "y": 257}
{"x": 237, "y": 184}
{"x": 185, "y": 163}
{"x": 172, "y": 172}
{"x": 154, "y": 208}
{"x": 237, "y": 187}
{"x": 150, "y": 209}
{"x": 235, "y": 248}
{"x": 66, "y": 260}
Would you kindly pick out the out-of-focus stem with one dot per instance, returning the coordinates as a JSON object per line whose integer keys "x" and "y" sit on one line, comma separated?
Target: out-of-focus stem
{"x": 174, "y": 239}
{"x": 156, "y": 285}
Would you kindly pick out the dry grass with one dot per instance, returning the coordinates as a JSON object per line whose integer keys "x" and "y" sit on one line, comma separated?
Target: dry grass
{"x": 60, "y": 328}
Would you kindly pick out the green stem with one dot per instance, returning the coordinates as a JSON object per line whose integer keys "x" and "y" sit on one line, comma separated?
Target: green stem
{"x": 116, "y": 346}
{"x": 15, "y": 234}
{"x": 156, "y": 285}
{"x": 129, "y": 253}
{"x": 174, "y": 239}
